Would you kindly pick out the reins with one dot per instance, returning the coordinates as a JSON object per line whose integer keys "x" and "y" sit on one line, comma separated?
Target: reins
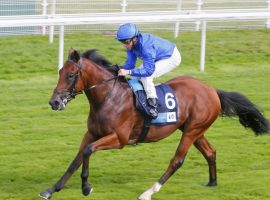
{"x": 102, "y": 82}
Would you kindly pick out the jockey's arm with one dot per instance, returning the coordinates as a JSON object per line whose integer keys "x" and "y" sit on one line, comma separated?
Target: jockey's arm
{"x": 148, "y": 66}
{"x": 130, "y": 61}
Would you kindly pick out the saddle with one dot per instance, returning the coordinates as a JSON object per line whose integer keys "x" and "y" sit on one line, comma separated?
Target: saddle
{"x": 167, "y": 106}
{"x": 167, "y": 103}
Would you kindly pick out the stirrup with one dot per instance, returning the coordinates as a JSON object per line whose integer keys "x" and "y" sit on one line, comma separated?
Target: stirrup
{"x": 153, "y": 113}
{"x": 152, "y": 102}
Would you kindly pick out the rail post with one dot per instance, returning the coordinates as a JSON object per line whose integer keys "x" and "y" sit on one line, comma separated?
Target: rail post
{"x": 177, "y": 24}
{"x": 44, "y": 13}
{"x": 61, "y": 47}
{"x": 52, "y": 15}
{"x": 268, "y": 21}
{"x": 199, "y": 7}
{"x": 203, "y": 46}
{"x": 124, "y": 6}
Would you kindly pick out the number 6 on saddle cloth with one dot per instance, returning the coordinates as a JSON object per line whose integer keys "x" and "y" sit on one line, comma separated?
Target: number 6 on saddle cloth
{"x": 167, "y": 104}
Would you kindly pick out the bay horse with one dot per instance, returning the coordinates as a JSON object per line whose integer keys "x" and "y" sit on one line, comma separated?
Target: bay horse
{"x": 114, "y": 122}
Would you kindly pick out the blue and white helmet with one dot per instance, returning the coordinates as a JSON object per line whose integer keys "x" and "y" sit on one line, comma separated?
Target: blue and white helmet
{"x": 127, "y": 31}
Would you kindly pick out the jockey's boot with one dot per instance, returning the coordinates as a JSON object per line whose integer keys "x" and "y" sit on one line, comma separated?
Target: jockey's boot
{"x": 153, "y": 113}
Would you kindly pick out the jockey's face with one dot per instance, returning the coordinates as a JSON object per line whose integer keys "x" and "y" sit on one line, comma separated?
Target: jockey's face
{"x": 129, "y": 43}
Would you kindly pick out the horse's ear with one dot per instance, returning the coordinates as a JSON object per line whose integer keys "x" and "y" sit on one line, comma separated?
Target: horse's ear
{"x": 70, "y": 51}
{"x": 73, "y": 55}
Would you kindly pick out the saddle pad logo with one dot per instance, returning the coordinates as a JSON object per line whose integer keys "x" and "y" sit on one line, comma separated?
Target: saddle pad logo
{"x": 171, "y": 117}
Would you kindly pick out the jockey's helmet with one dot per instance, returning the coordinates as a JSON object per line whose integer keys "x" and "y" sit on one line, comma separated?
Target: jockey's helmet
{"x": 127, "y": 31}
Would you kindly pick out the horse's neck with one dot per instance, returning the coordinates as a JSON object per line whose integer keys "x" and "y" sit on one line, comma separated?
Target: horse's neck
{"x": 94, "y": 75}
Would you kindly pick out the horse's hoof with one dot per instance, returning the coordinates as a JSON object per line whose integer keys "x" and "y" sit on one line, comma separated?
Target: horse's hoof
{"x": 45, "y": 195}
{"x": 212, "y": 184}
{"x": 142, "y": 199}
{"x": 87, "y": 189}
{"x": 144, "y": 196}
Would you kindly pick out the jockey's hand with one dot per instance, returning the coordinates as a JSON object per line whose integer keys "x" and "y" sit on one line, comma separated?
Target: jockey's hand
{"x": 123, "y": 72}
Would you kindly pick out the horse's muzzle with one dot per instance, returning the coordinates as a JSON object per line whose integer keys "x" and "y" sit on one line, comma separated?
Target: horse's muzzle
{"x": 58, "y": 104}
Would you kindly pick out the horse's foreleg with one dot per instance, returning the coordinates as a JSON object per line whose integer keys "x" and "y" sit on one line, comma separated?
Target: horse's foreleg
{"x": 108, "y": 142}
{"x": 210, "y": 155}
{"x": 75, "y": 164}
{"x": 176, "y": 162}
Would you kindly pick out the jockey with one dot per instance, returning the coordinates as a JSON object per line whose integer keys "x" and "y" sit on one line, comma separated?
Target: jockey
{"x": 158, "y": 56}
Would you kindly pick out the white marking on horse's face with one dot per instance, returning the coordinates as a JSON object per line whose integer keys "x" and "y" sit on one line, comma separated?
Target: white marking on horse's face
{"x": 62, "y": 106}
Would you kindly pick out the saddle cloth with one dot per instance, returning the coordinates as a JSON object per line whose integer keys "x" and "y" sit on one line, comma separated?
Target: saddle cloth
{"x": 167, "y": 103}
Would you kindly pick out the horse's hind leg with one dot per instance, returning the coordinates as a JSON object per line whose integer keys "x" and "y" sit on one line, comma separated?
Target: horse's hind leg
{"x": 210, "y": 155}
{"x": 47, "y": 194}
{"x": 177, "y": 161}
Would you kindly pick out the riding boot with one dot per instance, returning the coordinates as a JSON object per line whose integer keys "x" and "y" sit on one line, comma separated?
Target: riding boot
{"x": 153, "y": 107}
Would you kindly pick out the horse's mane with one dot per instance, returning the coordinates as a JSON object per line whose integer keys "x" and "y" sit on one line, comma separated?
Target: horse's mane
{"x": 94, "y": 56}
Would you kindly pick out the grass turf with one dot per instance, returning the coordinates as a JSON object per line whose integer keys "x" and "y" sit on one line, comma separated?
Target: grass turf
{"x": 37, "y": 144}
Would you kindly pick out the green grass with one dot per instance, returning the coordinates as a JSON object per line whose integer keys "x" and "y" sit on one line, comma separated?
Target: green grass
{"x": 37, "y": 144}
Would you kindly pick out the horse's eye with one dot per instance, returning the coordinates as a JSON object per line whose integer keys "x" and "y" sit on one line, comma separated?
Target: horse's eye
{"x": 71, "y": 76}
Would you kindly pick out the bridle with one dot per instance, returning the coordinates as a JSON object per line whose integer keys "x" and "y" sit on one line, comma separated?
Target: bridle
{"x": 72, "y": 88}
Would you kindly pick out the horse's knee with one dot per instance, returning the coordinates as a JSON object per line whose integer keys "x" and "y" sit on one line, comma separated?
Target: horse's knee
{"x": 87, "y": 151}
{"x": 178, "y": 164}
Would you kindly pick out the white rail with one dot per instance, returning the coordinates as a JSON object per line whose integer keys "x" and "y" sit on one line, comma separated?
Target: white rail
{"x": 136, "y": 17}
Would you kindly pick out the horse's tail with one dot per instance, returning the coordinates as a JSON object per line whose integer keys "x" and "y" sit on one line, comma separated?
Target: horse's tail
{"x": 236, "y": 104}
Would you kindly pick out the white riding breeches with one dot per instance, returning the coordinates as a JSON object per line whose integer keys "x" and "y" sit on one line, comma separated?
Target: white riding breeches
{"x": 161, "y": 67}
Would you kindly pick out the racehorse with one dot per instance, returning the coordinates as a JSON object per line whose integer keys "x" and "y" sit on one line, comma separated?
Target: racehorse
{"x": 114, "y": 122}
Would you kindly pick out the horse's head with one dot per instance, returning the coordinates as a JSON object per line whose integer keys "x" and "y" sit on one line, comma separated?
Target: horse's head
{"x": 69, "y": 83}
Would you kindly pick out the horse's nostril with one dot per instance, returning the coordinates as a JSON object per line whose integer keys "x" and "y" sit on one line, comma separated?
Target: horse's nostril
{"x": 54, "y": 104}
